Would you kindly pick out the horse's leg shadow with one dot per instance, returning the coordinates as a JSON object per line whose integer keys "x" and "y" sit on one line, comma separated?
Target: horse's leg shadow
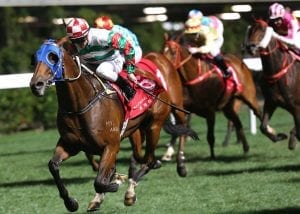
{"x": 233, "y": 116}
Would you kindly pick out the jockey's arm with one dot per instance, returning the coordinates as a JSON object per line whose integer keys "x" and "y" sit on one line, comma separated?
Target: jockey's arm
{"x": 126, "y": 48}
{"x": 288, "y": 41}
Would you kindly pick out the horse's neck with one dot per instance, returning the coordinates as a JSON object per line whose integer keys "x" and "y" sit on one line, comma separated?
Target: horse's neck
{"x": 272, "y": 58}
{"x": 195, "y": 66}
{"x": 75, "y": 94}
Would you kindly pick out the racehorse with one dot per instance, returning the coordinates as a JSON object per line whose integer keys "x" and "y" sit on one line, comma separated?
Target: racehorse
{"x": 281, "y": 78}
{"x": 205, "y": 89}
{"x": 91, "y": 118}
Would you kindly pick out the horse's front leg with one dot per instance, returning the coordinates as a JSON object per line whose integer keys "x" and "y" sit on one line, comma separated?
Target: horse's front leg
{"x": 295, "y": 132}
{"x": 232, "y": 115}
{"x": 149, "y": 161}
{"x": 268, "y": 111}
{"x": 210, "y": 135}
{"x": 230, "y": 128}
{"x": 181, "y": 168}
{"x": 60, "y": 155}
{"x": 92, "y": 161}
{"x": 170, "y": 149}
{"x": 103, "y": 182}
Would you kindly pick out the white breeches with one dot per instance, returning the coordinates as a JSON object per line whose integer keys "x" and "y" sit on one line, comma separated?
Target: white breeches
{"x": 215, "y": 48}
{"x": 110, "y": 69}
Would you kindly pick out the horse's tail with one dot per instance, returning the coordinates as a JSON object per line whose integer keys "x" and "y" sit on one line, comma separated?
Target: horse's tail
{"x": 172, "y": 128}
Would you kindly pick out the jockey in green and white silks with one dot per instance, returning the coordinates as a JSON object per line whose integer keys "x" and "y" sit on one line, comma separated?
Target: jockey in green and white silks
{"x": 107, "y": 50}
{"x": 105, "y": 22}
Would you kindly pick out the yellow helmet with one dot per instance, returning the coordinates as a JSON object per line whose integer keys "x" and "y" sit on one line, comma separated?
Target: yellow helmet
{"x": 192, "y": 25}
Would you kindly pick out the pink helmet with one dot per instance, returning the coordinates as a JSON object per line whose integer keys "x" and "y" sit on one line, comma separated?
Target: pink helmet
{"x": 77, "y": 28}
{"x": 276, "y": 11}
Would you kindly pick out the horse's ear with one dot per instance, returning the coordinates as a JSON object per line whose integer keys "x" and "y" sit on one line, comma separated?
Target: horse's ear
{"x": 62, "y": 41}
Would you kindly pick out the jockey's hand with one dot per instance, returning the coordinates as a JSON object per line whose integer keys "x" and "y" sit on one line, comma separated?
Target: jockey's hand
{"x": 132, "y": 78}
{"x": 204, "y": 49}
{"x": 193, "y": 50}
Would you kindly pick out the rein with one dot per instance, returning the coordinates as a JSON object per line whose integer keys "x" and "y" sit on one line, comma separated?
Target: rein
{"x": 97, "y": 97}
{"x": 285, "y": 64}
{"x": 178, "y": 63}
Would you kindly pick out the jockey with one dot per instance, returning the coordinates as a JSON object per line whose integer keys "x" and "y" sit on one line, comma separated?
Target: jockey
{"x": 209, "y": 28}
{"x": 285, "y": 25}
{"x": 106, "y": 51}
{"x": 106, "y": 23}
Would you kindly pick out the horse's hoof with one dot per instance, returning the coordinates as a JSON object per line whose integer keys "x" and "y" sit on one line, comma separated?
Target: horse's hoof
{"x": 156, "y": 165}
{"x": 129, "y": 201}
{"x": 166, "y": 158}
{"x": 292, "y": 145}
{"x": 281, "y": 136}
{"x": 246, "y": 149}
{"x": 71, "y": 204}
{"x": 93, "y": 206}
{"x": 181, "y": 171}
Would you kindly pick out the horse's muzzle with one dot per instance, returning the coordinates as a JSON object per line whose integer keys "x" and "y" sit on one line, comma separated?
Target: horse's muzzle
{"x": 38, "y": 88}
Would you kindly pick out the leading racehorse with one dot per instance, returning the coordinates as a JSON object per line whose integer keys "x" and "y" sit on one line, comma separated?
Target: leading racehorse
{"x": 281, "y": 78}
{"x": 206, "y": 91}
{"x": 92, "y": 118}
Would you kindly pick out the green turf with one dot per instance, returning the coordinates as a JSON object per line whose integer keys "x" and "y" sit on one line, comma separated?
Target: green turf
{"x": 267, "y": 180}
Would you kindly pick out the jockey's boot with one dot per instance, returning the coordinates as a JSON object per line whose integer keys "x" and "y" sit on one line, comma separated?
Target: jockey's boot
{"x": 127, "y": 90}
{"x": 219, "y": 60}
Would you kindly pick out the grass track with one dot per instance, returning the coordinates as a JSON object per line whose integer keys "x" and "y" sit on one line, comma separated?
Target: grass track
{"x": 267, "y": 180}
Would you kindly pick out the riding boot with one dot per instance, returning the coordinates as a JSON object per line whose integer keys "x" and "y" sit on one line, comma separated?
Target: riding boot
{"x": 219, "y": 60}
{"x": 128, "y": 91}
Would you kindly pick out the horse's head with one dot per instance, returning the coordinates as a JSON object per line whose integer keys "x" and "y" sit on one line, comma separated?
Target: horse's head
{"x": 175, "y": 52}
{"x": 48, "y": 67}
{"x": 258, "y": 36}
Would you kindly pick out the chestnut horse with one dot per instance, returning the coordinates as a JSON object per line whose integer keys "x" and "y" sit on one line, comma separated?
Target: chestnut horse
{"x": 205, "y": 89}
{"x": 281, "y": 78}
{"x": 85, "y": 122}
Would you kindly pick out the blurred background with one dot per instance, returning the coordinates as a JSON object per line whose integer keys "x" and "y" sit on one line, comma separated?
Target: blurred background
{"x": 25, "y": 24}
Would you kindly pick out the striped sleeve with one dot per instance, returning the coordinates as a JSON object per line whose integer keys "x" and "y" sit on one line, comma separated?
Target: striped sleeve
{"x": 125, "y": 47}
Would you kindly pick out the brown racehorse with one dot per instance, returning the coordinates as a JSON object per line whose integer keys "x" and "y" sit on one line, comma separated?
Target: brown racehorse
{"x": 281, "y": 78}
{"x": 205, "y": 96}
{"x": 85, "y": 122}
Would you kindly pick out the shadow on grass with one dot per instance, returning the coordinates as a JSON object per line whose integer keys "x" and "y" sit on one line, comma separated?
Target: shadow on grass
{"x": 49, "y": 182}
{"x": 285, "y": 168}
{"x": 285, "y": 210}
{"x": 48, "y": 151}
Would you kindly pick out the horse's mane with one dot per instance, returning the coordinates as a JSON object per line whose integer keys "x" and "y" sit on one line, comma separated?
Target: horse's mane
{"x": 261, "y": 22}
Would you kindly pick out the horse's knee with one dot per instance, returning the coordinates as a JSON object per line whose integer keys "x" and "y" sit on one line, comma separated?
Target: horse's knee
{"x": 104, "y": 185}
{"x": 53, "y": 167}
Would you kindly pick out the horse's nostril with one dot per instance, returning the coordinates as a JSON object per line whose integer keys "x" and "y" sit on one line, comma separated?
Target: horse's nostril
{"x": 39, "y": 84}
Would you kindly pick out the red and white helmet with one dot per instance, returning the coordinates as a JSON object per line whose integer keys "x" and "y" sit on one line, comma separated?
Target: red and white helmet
{"x": 276, "y": 11}
{"x": 77, "y": 28}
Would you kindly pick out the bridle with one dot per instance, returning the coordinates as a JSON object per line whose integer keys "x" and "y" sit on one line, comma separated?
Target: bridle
{"x": 178, "y": 62}
{"x": 266, "y": 48}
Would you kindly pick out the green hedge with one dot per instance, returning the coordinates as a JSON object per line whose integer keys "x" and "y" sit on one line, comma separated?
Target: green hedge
{"x": 21, "y": 110}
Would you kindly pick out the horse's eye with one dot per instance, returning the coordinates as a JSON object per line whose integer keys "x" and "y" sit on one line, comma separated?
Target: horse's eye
{"x": 52, "y": 58}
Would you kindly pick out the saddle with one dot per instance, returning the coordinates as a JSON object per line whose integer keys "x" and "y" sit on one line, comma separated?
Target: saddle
{"x": 233, "y": 79}
{"x": 150, "y": 85}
